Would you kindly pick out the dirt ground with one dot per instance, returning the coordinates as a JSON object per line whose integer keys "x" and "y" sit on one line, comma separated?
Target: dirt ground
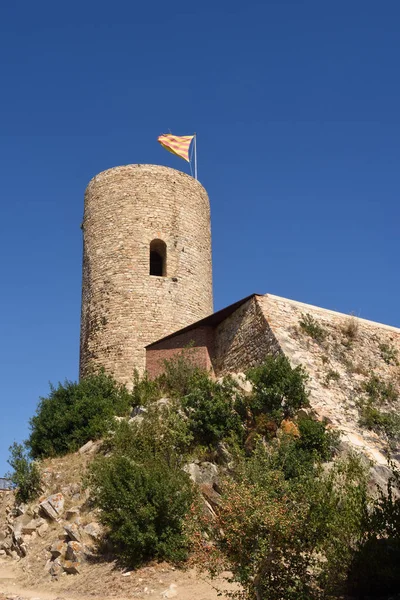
{"x": 102, "y": 581}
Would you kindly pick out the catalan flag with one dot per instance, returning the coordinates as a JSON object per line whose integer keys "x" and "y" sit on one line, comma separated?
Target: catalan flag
{"x": 177, "y": 144}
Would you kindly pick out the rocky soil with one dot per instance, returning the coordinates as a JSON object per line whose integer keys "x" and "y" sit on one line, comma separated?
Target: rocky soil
{"x": 99, "y": 582}
{"x": 48, "y": 549}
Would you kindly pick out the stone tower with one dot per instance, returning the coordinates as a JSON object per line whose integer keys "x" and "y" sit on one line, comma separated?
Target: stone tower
{"x": 146, "y": 264}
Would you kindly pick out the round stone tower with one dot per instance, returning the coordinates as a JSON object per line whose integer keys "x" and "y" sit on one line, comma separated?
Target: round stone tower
{"x": 146, "y": 264}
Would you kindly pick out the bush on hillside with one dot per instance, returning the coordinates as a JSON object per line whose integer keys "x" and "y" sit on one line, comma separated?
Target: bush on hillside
{"x": 312, "y": 327}
{"x": 374, "y": 571}
{"x": 74, "y": 413}
{"x": 140, "y": 487}
{"x": 379, "y": 391}
{"x": 143, "y": 505}
{"x": 278, "y": 389}
{"x": 180, "y": 373}
{"x": 25, "y": 475}
{"x": 162, "y": 434}
{"x": 283, "y": 539}
{"x": 145, "y": 390}
{"x": 209, "y": 406}
{"x": 210, "y": 409}
{"x": 295, "y": 457}
{"x": 316, "y": 439}
{"x": 382, "y": 422}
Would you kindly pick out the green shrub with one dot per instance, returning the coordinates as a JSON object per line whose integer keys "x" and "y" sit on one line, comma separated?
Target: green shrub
{"x": 75, "y": 413}
{"x": 389, "y": 354}
{"x": 286, "y": 540}
{"x": 143, "y": 506}
{"x": 312, "y": 327}
{"x": 140, "y": 488}
{"x": 25, "y": 475}
{"x": 384, "y": 422}
{"x": 299, "y": 457}
{"x": 316, "y": 439}
{"x": 331, "y": 376}
{"x": 374, "y": 571}
{"x": 162, "y": 434}
{"x": 293, "y": 460}
{"x": 145, "y": 390}
{"x": 379, "y": 391}
{"x": 387, "y": 423}
{"x": 278, "y": 389}
{"x": 179, "y": 373}
{"x": 210, "y": 409}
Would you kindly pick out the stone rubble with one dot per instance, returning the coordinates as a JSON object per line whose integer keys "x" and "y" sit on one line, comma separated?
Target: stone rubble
{"x": 72, "y": 543}
{"x": 53, "y": 506}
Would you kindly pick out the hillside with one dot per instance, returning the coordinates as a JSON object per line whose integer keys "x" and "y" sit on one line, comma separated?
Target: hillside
{"x": 28, "y": 576}
{"x": 202, "y": 475}
{"x": 345, "y": 357}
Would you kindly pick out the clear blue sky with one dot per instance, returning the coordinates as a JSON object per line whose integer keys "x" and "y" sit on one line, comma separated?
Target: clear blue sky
{"x": 296, "y": 105}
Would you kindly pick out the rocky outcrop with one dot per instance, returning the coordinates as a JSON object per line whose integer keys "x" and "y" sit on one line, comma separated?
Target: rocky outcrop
{"x": 59, "y": 524}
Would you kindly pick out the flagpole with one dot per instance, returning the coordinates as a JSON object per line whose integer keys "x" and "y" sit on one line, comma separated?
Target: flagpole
{"x": 195, "y": 156}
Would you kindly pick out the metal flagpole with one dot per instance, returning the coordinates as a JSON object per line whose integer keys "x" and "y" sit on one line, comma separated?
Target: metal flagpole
{"x": 195, "y": 156}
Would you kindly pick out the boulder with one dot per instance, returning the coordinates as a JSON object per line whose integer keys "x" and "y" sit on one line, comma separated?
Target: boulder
{"x": 20, "y": 509}
{"x": 202, "y": 473}
{"x": 71, "y": 489}
{"x": 53, "y": 506}
{"x": 93, "y": 530}
{"x": 41, "y": 530}
{"x": 210, "y": 494}
{"x": 305, "y": 413}
{"x": 224, "y": 457}
{"x": 244, "y": 385}
{"x": 32, "y": 526}
{"x": 17, "y": 527}
{"x": 86, "y": 447}
{"x": 138, "y": 411}
{"x": 287, "y": 427}
{"x": 6, "y": 546}
{"x": 74, "y": 552}
{"x": 73, "y": 532}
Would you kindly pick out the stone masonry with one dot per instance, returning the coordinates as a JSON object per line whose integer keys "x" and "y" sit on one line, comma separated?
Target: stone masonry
{"x": 339, "y": 364}
{"x": 124, "y": 308}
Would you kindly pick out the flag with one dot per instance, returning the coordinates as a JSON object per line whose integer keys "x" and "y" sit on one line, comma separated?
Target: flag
{"x": 177, "y": 144}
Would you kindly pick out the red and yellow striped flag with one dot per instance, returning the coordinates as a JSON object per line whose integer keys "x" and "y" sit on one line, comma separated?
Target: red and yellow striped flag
{"x": 177, "y": 144}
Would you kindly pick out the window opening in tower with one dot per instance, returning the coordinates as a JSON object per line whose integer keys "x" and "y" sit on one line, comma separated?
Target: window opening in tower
{"x": 158, "y": 258}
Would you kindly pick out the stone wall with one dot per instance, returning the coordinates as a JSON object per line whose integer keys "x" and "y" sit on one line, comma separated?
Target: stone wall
{"x": 339, "y": 365}
{"x": 243, "y": 340}
{"x": 124, "y": 308}
{"x": 201, "y": 339}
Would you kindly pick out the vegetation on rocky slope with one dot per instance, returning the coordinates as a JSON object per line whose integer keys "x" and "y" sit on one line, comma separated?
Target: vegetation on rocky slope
{"x": 235, "y": 474}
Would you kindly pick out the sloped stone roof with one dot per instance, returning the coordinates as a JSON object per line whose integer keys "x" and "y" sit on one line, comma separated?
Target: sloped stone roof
{"x": 339, "y": 365}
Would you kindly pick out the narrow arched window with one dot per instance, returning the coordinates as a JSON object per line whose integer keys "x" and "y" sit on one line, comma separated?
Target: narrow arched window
{"x": 158, "y": 258}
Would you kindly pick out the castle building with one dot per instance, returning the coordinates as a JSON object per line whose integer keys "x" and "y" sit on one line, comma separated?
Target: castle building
{"x": 146, "y": 264}
{"x": 147, "y": 295}
{"x": 339, "y": 362}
